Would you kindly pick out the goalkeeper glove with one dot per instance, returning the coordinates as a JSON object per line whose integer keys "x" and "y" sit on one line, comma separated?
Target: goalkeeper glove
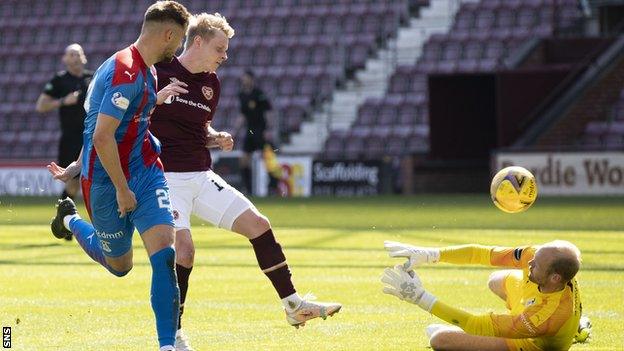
{"x": 416, "y": 255}
{"x": 407, "y": 287}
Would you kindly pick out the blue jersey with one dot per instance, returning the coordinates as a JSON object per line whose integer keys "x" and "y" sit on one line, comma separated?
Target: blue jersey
{"x": 125, "y": 88}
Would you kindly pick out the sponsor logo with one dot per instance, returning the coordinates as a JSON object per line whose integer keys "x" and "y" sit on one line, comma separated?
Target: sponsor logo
{"x": 193, "y": 104}
{"x": 120, "y": 101}
{"x": 103, "y": 235}
{"x": 105, "y": 246}
{"x": 346, "y": 172}
{"x": 208, "y": 92}
{"x": 527, "y": 324}
{"x": 176, "y": 215}
{"x": 130, "y": 75}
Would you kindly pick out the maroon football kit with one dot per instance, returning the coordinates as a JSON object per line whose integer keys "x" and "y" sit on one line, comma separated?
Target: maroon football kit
{"x": 180, "y": 122}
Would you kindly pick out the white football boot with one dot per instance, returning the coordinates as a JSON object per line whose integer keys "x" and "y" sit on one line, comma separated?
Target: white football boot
{"x": 309, "y": 309}
{"x": 182, "y": 341}
{"x": 584, "y": 331}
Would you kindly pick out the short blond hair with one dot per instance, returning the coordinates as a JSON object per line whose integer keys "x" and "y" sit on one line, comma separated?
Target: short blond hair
{"x": 205, "y": 25}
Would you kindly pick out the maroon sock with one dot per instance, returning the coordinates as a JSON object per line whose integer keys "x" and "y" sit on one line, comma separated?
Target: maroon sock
{"x": 183, "y": 279}
{"x": 269, "y": 255}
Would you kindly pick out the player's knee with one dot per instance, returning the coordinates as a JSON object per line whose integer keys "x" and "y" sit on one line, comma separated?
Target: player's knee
{"x": 121, "y": 273}
{"x": 439, "y": 341}
{"x": 495, "y": 283}
{"x": 120, "y": 269}
{"x": 261, "y": 223}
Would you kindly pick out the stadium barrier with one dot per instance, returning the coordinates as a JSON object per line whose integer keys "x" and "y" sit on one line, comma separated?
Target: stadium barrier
{"x": 569, "y": 173}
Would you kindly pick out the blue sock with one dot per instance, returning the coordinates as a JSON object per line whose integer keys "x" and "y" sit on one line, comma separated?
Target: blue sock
{"x": 85, "y": 235}
{"x": 165, "y": 295}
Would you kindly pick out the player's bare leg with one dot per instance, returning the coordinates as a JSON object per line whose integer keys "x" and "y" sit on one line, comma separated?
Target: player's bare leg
{"x": 72, "y": 187}
{"x": 455, "y": 339}
{"x": 496, "y": 283}
{"x": 68, "y": 221}
{"x": 185, "y": 257}
{"x": 257, "y": 228}
{"x": 122, "y": 263}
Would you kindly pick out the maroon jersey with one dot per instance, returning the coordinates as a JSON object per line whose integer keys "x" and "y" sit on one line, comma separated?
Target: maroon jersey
{"x": 180, "y": 123}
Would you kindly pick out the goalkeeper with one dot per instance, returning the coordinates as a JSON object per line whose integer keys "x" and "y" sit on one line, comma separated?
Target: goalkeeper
{"x": 538, "y": 287}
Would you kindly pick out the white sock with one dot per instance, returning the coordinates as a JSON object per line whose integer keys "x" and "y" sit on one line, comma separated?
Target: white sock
{"x": 167, "y": 348}
{"x": 68, "y": 218}
{"x": 292, "y": 302}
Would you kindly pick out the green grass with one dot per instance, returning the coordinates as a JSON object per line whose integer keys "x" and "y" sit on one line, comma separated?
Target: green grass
{"x": 55, "y": 298}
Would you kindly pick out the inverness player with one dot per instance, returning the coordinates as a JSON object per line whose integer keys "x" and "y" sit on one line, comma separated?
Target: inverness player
{"x": 183, "y": 124}
{"x": 539, "y": 289}
{"x": 122, "y": 178}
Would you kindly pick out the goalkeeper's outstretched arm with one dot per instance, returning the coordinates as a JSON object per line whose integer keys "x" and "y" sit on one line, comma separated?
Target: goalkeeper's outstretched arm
{"x": 407, "y": 286}
{"x": 462, "y": 254}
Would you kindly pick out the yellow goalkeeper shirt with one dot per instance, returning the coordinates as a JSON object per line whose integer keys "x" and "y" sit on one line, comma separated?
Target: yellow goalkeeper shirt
{"x": 542, "y": 321}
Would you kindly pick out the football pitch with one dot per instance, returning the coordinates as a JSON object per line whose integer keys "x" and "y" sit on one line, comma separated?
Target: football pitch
{"x": 55, "y": 298}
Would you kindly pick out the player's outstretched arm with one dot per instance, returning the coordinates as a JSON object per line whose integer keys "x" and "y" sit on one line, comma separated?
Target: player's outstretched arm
{"x": 66, "y": 174}
{"x": 408, "y": 287}
{"x": 461, "y": 254}
{"x": 416, "y": 255}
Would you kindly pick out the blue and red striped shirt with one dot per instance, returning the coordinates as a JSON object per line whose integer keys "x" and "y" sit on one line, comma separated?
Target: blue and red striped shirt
{"x": 123, "y": 87}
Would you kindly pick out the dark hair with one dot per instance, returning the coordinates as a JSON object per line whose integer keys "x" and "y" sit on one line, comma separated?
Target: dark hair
{"x": 165, "y": 11}
{"x": 565, "y": 266}
{"x": 250, "y": 73}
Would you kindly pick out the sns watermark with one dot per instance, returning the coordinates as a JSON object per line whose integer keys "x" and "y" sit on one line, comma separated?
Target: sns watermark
{"x": 6, "y": 337}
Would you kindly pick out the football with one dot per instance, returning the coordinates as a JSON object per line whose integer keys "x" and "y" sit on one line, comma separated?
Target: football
{"x": 513, "y": 189}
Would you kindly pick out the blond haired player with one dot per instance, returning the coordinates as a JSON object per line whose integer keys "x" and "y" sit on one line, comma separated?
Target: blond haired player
{"x": 539, "y": 289}
{"x": 183, "y": 125}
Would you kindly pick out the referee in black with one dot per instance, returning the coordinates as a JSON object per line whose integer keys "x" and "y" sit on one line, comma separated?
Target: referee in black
{"x": 66, "y": 92}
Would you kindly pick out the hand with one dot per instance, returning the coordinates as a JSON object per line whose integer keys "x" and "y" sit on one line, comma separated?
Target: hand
{"x": 173, "y": 89}
{"x": 416, "y": 255}
{"x": 407, "y": 287}
{"x": 126, "y": 201}
{"x": 64, "y": 174}
{"x": 70, "y": 99}
{"x": 224, "y": 140}
{"x": 211, "y": 142}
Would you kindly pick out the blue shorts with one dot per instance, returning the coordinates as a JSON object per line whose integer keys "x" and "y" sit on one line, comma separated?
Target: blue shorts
{"x": 153, "y": 208}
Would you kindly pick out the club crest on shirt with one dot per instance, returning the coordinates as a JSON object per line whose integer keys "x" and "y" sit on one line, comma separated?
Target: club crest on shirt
{"x": 529, "y": 302}
{"x": 208, "y": 92}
